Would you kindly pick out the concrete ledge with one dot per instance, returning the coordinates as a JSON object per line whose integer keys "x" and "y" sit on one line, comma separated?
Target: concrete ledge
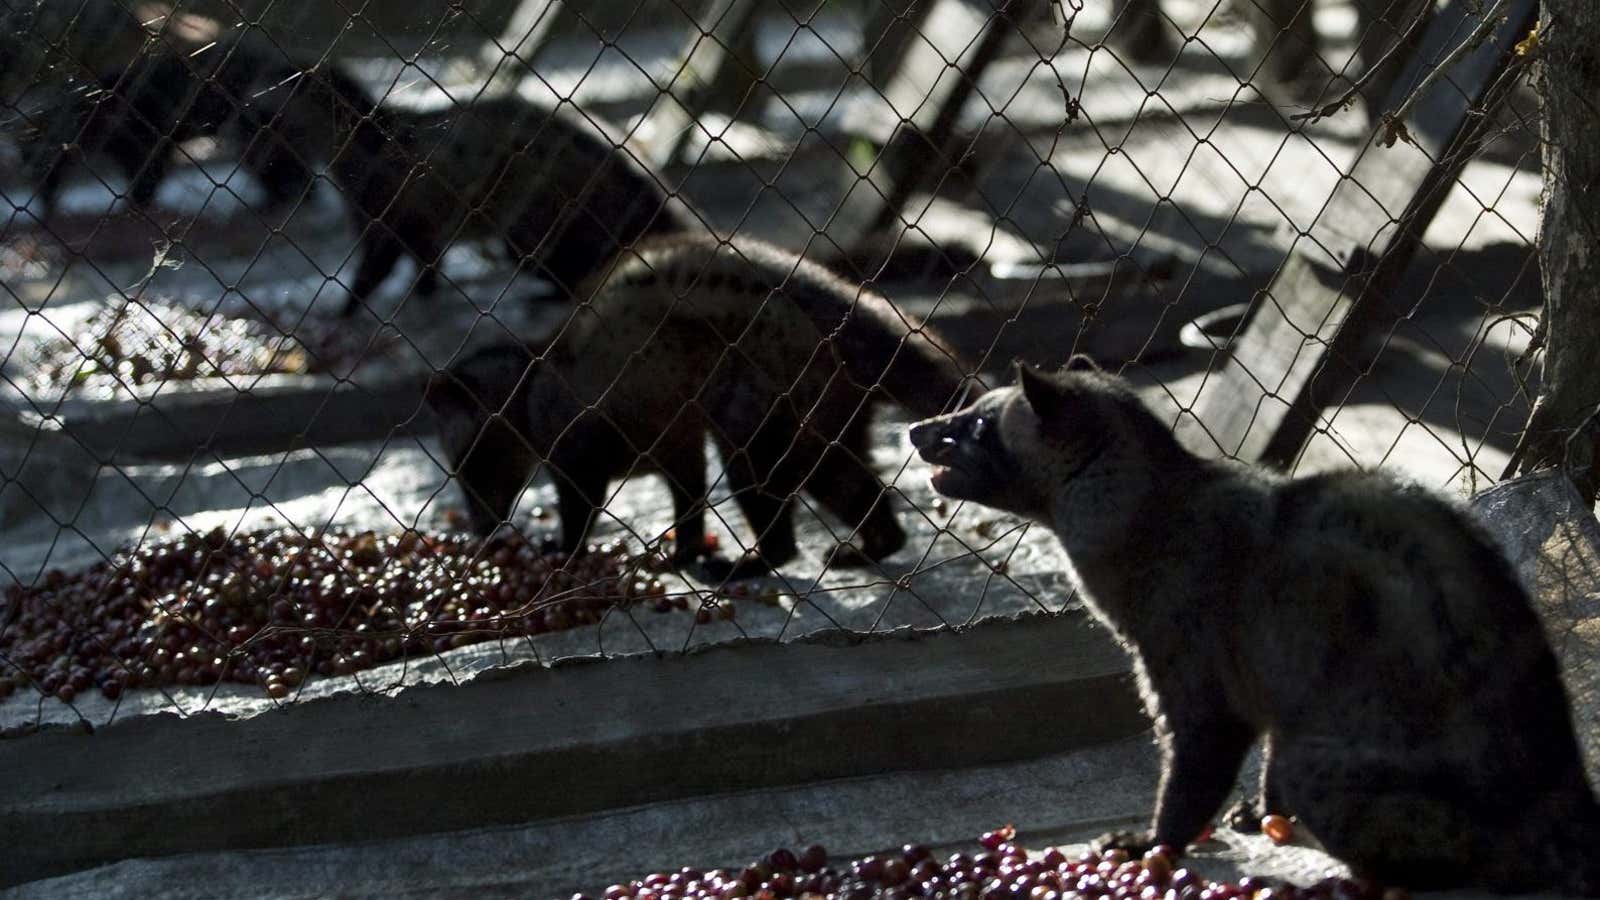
{"x": 257, "y": 415}
{"x": 1068, "y": 796}
{"x": 530, "y": 743}
{"x": 252, "y": 414}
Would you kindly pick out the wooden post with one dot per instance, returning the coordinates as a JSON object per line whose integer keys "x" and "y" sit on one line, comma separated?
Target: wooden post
{"x": 1301, "y": 349}
{"x": 528, "y": 29}
{"x": 953, "y": 46}
{"x": 717, "y": 70}
{"x": 948, "y": 49}
{"x": 889, "y": 27}
{"x": 1139, "y": 33}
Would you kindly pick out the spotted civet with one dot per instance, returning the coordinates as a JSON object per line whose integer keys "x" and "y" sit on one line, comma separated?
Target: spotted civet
{"x": 549, "y": 182}
{"x": 779, "y": 361}
{"x": 1413, "y": 714}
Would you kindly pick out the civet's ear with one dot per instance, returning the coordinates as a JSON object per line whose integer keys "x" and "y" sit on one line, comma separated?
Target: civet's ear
{"x": 1081, "y": 363}
{"x": 1017, "y": 368}
{"x": 1040, "y": 389}
{"x": 1056, "y": 401}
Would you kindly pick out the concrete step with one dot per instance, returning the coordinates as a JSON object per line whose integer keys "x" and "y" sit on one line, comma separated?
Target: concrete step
{"x": 529, "y": 743}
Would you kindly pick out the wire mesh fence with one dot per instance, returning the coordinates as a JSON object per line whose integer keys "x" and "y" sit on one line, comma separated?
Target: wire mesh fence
{"x": 348, "y": 345}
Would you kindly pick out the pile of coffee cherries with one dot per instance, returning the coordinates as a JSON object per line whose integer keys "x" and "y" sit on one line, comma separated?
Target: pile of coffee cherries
{"x": 273, "y": 608}
{"x": 150, "y": 341}
{"x": 1003, "y": 870}
{"x": 23, "y": 256}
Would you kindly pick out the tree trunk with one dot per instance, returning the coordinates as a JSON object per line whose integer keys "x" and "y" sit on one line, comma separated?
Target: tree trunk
{"x": 1563, "y": 429}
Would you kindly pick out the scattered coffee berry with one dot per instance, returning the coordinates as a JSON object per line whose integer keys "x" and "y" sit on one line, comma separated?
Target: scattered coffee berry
{"x": 1277, "y": 828}
{"x": 1004, "y": 870}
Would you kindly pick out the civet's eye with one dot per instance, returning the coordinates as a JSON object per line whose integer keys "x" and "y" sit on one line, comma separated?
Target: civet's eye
{"x": 980, "y": 427}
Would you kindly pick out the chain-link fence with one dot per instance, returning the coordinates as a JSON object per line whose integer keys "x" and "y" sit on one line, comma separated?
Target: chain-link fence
{"x": 303, "y": 300}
